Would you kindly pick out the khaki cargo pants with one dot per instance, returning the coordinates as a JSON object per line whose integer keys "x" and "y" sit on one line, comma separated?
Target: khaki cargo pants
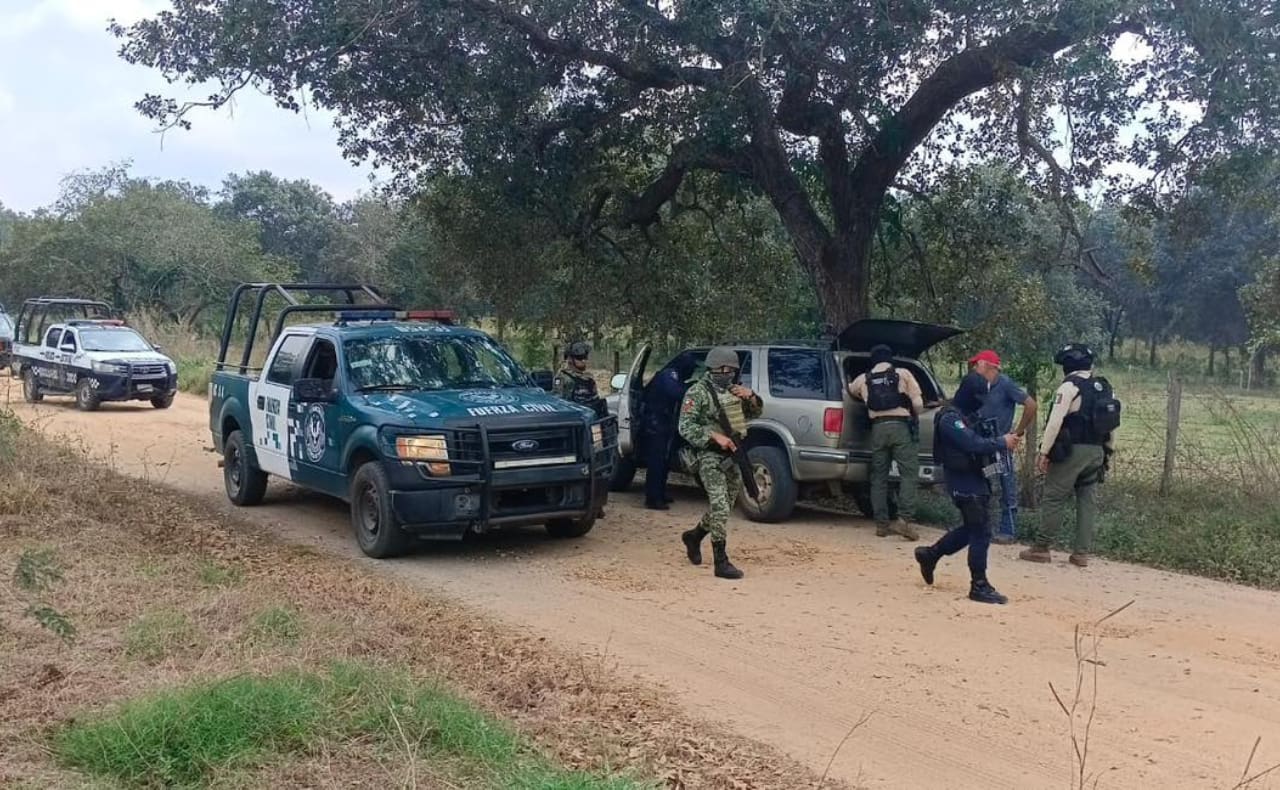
{"x": 891, "y": 441}
{"x": 1076, "y": 476}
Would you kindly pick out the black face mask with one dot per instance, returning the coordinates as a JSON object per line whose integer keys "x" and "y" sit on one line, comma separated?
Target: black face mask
{"x": 722, "y": 381}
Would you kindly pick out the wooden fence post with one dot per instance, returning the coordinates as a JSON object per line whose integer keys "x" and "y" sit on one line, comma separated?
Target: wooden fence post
{"x": 1171, "y": 432}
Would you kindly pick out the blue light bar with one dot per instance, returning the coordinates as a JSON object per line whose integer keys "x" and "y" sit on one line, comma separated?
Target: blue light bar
{"x": 369, "y": 315}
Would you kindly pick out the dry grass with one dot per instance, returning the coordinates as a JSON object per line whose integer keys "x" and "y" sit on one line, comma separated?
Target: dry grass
{"x": 235, "y": 602}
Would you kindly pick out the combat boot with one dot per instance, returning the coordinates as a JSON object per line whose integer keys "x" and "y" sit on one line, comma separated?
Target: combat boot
{"x": 1036, "y": 554}
{"x": 1079, "y": 560}
{"x": 928, "y": 558}
{"x": 906, "y": 529}
{"x": 980, "y": 590}
{"x": 883, "y": 531}
{"x": 693, "y": 544}
{"x": 724, "y": 568}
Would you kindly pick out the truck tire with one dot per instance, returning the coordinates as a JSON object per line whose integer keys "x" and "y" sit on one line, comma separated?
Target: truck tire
{"x": 862, "y": 498}
{"x": 624, "y": 471}
{"x": 86, "y": 396}
{"x": 569, "y": 527}
{"x": 778, "y": 490}
{"x": 374, "y": 520}
{"x": 246, "y": 484}
{"x": 163, "y": 401}
{"x": 31, "y": 387}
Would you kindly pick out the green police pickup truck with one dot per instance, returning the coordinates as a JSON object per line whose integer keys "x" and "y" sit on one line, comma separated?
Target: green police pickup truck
{"x": 428, "y": 430}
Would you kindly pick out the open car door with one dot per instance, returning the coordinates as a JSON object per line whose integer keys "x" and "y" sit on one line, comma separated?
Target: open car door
{"x": 632, "y": 397}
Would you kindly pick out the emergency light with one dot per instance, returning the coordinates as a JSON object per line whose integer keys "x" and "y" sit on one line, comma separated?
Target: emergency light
{"x": 442, "y": 316}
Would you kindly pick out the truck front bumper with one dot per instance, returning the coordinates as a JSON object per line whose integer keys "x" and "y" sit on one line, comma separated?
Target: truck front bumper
{"x": 450, "y": 507}
{"x": 124, "y": 388}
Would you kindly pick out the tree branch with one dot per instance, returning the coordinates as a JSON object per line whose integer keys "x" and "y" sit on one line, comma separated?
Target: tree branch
{"x": 657, "y": 75}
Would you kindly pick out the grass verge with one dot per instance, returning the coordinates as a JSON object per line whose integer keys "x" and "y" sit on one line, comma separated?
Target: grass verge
{"x": 185, "y": 737}
{"x": 146, "y": 620}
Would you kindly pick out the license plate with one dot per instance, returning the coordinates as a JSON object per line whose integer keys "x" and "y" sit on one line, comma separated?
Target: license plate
{"x": 144, "y": 388}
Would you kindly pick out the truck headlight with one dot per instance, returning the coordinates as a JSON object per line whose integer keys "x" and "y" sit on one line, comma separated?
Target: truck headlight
{"x": 597, "y": 437}
{"x": 110, "y": 368}
{"x": 433, "y": 450}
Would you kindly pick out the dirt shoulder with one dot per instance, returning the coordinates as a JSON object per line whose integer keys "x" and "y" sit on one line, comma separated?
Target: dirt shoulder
{"x": 161, "y": 592}
{"x": 830, "y": 625}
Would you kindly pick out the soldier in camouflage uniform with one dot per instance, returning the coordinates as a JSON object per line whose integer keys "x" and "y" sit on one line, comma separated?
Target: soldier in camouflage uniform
{"x": 575, "y": 384}
{"x": 707, "y": 455}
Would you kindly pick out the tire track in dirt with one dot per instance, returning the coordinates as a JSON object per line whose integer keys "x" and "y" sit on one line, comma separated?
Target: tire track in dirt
{"x": 829, "y": 625}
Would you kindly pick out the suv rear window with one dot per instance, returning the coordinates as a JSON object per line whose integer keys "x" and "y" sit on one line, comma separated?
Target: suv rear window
{"x": 796, "y": 373}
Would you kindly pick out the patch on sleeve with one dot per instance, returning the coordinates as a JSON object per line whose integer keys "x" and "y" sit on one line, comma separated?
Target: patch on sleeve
{"x": 959, "y": 425}
{"x": 1057, "y": 398}
{"x": 687, "y": 406}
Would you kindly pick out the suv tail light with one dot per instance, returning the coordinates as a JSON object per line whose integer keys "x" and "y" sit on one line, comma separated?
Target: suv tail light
{"x": 833, "y": 422}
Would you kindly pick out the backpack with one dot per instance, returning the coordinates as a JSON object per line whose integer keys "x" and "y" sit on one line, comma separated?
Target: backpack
{"x": 883, "y": 393}
{"x": 1099, "y": 414}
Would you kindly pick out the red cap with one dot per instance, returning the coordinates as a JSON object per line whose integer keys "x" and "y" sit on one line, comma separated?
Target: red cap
{"x": 988, "y": 356}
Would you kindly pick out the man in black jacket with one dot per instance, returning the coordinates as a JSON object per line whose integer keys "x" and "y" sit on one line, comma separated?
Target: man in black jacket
{"x": 968, "y": 460}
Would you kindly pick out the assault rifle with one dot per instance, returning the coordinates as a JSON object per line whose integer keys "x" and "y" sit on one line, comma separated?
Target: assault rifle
{"x": 739, "y": 453}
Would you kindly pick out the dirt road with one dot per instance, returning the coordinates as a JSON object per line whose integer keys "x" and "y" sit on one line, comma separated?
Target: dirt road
{"x": 831, "y": 625}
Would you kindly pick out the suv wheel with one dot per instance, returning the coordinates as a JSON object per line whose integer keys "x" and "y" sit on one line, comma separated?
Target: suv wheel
{"x": 862, "y": 498}
{"x": 778, "y": 489}
{"x": 31, "y": 387}
{"x": 374, "y": 520}
{"x": 246, "y": 484}
{"x": 570, "y": 528}
{"x": 163, "y": 401}
{"x": 624, "y": 471}
{"x": 87, "y": 396}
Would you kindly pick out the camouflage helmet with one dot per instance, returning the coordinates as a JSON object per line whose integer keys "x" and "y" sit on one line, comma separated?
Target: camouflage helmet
{"x": 578, "y": 350}
{"x": 722, "y": 357}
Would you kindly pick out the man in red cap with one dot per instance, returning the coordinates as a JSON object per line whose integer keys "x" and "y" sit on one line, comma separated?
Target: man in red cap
{"x": 1003, "y": 399}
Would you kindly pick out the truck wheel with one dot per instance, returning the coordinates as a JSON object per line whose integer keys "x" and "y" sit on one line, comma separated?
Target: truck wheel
{"x": 31, "y": 387}
{"x": 374, "y": 520}
{"x": 570, "y": 528}
{"x": 778, "y": 489}
{"x": 862, "y": 498}
{"x": 163, "y": 401}
{"x": 624, "y": 471}
{"x": 246, "y": 484}
{"x": 86, "y": 396}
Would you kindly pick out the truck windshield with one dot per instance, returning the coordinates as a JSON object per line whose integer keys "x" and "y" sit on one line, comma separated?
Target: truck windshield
{"x": 112, "y": 340}
{"x": 439, "y": 362}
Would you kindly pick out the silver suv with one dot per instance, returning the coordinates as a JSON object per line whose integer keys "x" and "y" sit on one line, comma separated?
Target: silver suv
{"x": 813, "y": 438}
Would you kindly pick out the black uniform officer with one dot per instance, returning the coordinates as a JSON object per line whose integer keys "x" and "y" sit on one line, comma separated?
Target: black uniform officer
{"x": 963, "y": 454}
{"x": 661, "y": 408}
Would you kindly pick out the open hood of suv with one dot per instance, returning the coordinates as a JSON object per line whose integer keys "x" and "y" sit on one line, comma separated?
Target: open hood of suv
{"x": 906, "y": 338}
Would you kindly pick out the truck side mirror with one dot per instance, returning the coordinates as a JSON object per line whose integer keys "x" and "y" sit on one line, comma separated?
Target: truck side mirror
{"x": 67, "y": 348}
{"x": 618, "y": 382}
{"x": 314, "y": 391}
{"x": 543, "y": 379}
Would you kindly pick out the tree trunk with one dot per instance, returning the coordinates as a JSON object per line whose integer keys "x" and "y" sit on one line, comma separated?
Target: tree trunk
{"x": 501, "y": 322}
{"x": 1213, "y": 351}
{"x": 1151, "y": 350}
{"x": 1258, "y": 368}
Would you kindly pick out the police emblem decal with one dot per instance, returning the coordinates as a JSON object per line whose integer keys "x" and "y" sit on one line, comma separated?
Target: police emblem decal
{"x": 314, "y": 438}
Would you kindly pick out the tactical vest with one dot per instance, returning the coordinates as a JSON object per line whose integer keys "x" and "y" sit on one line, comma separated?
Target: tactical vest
{"x": 1099, "y": 413}
{"x": 584, "y": 389}
{"x": 883, "y": 393}
{"x": 950, "y": 457}
{"x": 732, "y": 406}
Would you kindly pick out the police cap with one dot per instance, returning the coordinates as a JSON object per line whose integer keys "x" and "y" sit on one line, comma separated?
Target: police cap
{"x": 1074, "y": 356}
{"x": 578, "y": 350}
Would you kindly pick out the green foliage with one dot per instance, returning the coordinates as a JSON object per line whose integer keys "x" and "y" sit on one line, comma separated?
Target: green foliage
{"x": 158, "y": 634}
{"x": 279, "y": 624}
{"x": 37, "y": 570}
{"x": 607, "y": 114}
{"x": 212, "y": 574}
{"x": 189, "y": 736}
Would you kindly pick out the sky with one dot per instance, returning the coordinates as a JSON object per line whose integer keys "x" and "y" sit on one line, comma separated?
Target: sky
{"x": 66, "y": 104}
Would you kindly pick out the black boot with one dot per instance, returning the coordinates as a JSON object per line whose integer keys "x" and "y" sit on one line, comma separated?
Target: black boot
{"x": 693, "y": 544}
{"x": 724, "y": 568}
{"x": 928, "y": 559}
{"x": 980, "y": 590}
{"x": 651, "y": 505}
